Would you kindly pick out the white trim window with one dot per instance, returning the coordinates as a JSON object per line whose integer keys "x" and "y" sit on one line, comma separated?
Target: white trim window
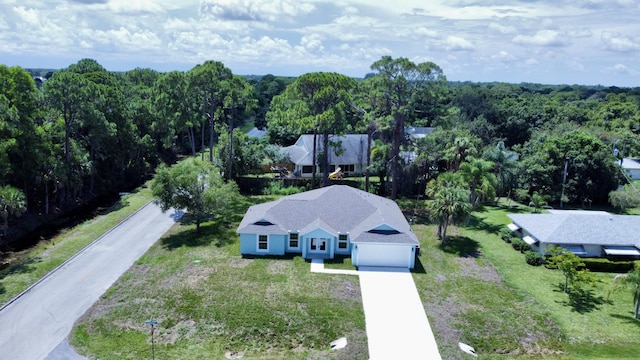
{"x": 343, "y": 241}
{"x": 294, "y": 241}
{"x": 263, "y": 243}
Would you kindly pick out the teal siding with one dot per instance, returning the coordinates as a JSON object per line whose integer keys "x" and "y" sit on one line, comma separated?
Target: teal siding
{"x": 249, "y": 244}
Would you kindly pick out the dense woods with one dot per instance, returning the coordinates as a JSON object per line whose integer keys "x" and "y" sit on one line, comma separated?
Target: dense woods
{"x": 83, "y": 132}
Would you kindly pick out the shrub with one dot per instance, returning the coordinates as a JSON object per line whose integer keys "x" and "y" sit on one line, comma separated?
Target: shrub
{"x": 519, "y": 244}
{"x": 506, "y": 234}
{"x": 276, "y": 188}
{"x": 533, "y": 258}
{"x": 606, "y": 265}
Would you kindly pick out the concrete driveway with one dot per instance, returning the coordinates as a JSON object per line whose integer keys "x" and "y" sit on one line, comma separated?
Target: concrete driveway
{"x": 396, "y": 323}
{"x": 39, "y": 320}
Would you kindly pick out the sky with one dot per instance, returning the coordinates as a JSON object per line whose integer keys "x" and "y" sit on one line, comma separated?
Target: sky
{"x": 587, "y": 42}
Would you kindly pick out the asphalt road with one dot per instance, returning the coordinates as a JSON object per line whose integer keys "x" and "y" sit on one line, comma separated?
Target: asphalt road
{"x": 40, "y": 320}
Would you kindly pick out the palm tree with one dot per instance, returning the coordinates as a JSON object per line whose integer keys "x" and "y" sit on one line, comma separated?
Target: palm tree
{"x": 630, "y": 281}
{"x": 482, "y": 182}
{"x": 506, "y": 167}
{"x": 448, "y": 203}
{"x": 12, "y": 202}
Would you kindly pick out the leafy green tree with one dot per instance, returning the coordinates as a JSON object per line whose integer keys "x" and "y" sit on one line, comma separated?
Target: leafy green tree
{"x": 194, "y": 185}
{"x": 209, "y": 84}
{"x": 629, "y": 281}
{"x": 625, "y": 198}
{"x": 318, "y": 103}
{"x": 403, "y": 81}
{"x": 448, "y": 202}
{"x": 571, "y": 266}
{"x": 12, "y": 202}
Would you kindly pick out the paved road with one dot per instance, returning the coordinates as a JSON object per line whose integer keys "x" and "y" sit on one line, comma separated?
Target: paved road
{"x": 40, "y": 320}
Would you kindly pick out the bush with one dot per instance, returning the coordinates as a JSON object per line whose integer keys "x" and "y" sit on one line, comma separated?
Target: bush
{"x": 506, "y": 234}
{"x": 519, "y": 244}
{"x": 533, "y": 258}
{"x": 277, "y": 188}
{"x": 609, "y": 266}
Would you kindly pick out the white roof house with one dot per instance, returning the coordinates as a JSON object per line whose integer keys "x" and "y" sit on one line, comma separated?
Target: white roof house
{"x": 351, "y": 154}
{"x": 588, "y": 234}
{"x": 632, "y": 167}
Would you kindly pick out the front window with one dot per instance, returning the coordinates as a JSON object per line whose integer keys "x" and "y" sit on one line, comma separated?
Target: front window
{"x": 293, "y": 240}
{"x": 263, "y": 242}
{"x": 342, "y": 241}
{"x": 307, "y": 169}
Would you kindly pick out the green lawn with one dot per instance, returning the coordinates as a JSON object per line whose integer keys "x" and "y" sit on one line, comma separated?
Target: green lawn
{"x": 593, "y": 327}
{"x": 208, "y": 300}
{"x": 31, "y": 265}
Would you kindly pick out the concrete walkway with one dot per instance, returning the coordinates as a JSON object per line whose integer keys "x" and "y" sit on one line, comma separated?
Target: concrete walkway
{"x": 396, "y": 323}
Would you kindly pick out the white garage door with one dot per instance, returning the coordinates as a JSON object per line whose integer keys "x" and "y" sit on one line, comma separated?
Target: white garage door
{"x": 384, "y": 255}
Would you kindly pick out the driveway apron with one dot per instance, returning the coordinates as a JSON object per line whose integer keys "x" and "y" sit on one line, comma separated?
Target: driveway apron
{"x": 396, "y": 323}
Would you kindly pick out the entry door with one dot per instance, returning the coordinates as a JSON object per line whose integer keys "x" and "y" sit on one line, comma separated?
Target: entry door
{"x": 318, "y": 245}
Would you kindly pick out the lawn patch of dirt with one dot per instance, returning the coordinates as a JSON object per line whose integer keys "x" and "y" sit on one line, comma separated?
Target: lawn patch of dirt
{"x": 469, "y": 267}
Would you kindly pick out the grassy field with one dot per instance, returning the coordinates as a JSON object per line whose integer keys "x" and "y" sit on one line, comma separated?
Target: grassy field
{"x": 593, "y": 327}
{"x": 209, "y": 301}
{"x": 31, "y": 265}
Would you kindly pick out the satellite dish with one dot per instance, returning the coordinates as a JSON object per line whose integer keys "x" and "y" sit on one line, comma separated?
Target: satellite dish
{"x": 468, "y": 349}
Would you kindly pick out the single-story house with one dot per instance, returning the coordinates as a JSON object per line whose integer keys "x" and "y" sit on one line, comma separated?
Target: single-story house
{"x": 631, "y": 167}
{"x": 330, "y": 221}
{"x": 585, "y": 233}
{"x": 418, "y": 132}
{"x": 351, "y": 150}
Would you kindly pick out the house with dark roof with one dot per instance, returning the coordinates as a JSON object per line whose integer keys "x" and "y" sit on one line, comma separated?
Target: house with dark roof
{"x": 328, "y": 222}
{"x": 347, "y": 152}
{"x": 585, "y": 233}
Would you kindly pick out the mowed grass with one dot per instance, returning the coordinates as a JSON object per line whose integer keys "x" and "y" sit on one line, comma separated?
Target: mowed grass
{"x": 209, "y": 301}
{"x": 592, "y": 327}
{"x": 31, "y": 265}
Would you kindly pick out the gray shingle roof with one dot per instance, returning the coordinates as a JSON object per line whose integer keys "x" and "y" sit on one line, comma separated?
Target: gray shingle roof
{"x": 337, "y": 208}
{"x": 580, "y": 228}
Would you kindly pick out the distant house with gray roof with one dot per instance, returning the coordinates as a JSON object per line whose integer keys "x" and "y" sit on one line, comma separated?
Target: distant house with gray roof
{"x": 348, "y": 152}
{"x": 631, "y": 167}
{"x": 585, "y": 233}
{"x": 331, "y": 221}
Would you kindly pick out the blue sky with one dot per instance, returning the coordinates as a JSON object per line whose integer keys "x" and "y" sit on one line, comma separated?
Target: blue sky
{"x": 550, "y": 41}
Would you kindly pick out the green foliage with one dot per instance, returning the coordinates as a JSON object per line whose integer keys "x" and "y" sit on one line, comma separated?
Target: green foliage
{"x": 277, "y": 188}
{"x": 533, "y": 258}
{"x": 194, "y": 185}
{"x": 571, "y": 266}
{"x": 519, "y": 244}
{"x": 631, "y": 281}
{"x": 448, "y": 202}
{"x": 12, "y": 202}
{"x": 625, "y": 198}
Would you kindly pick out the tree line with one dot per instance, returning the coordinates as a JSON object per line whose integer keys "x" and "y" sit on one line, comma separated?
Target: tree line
{"x": 86, "y": 131}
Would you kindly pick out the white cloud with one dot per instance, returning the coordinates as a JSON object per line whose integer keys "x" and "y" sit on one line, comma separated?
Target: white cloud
{"x": 456, "y": 43}
{"x": 263, "y": 10}
{"x": 618, "y": 42}
{"x": 542, "y": 38}
{"x": 622, "y": 70}
{"x": 503, "y": 29}
{"x": 503, "y": 56}
{"x": 312, "y": 42}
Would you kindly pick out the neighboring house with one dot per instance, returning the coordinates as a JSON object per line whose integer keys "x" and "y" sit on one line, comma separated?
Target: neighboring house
{"x": 585, "y": 233}
{"x": 632, "y": 167}
{"x": 256, "y": 133}
{"x": 330, "y": 221}
{"x": 418, "y": 132}
{"x": 351, "y": 150}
